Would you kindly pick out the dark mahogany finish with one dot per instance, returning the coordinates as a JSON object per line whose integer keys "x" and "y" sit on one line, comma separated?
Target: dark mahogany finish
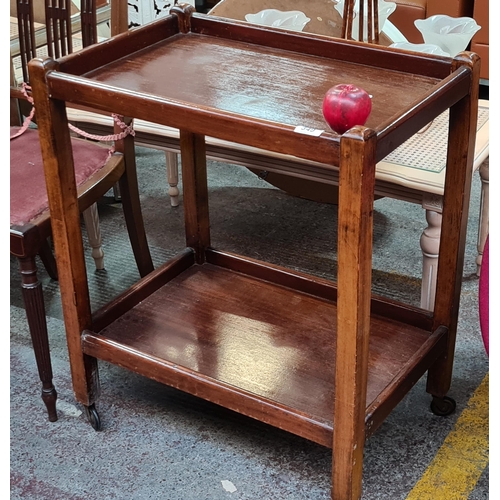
{"x": 327, "y": 362}
{"x": 26, "y": 33}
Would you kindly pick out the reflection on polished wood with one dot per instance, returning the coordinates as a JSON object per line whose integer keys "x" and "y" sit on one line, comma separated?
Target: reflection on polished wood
{"x": 257, "y": 81}
{"x": 258, "y": 338}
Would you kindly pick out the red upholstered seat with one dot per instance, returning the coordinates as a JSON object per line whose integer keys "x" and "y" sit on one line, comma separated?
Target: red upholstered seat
{"x": 28, "y": 192}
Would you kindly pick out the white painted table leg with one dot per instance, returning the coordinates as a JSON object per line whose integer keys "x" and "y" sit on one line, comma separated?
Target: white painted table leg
{"x": 116, "y": 192}
{"x": 429, "y": 243}
{"x": 173, "y": 177}
{"x": 91, "y": 219}
{"x": 484, "y": 213}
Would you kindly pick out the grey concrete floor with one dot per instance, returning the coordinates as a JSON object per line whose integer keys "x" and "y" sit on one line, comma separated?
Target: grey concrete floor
{"x": 159, "y": 443}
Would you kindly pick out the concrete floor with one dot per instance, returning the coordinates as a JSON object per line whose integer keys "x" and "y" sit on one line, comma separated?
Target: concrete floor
{"x": 159, "y": 443}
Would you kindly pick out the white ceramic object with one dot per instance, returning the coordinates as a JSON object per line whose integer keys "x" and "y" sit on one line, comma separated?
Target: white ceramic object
{"x": 294, "y": 20}
{"x": 452, "y": 34}
{"x": 385, "y": 9}
{"x": 426, "y": 48}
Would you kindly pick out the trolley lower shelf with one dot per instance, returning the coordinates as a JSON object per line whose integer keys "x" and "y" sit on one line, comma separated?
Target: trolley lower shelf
{"x": 262, "y": 347}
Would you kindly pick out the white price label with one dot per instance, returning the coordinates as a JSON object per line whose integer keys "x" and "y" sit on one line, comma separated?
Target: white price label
{"x": 308, "y": 131}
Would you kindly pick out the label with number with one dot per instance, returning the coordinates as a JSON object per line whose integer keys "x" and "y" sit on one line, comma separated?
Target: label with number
{"x": 308, "y": 131}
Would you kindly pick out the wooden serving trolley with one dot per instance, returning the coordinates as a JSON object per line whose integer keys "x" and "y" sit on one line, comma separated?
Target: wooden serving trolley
{"x": 325, "y": 361}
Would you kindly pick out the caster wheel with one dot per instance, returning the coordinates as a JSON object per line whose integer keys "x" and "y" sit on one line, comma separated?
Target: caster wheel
{"x": 93, "y": 417}
{"x": 443, "y": 406}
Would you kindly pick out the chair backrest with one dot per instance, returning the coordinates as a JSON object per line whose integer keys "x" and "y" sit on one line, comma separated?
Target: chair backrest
{"x": 63, "y": 29}
{"x": 367, "y": 18}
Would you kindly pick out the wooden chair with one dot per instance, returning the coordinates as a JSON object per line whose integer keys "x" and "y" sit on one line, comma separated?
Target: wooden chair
{"x": 97, "y": 170}
{"x": 31, "y": 226}
{"x": 43, "y": 27}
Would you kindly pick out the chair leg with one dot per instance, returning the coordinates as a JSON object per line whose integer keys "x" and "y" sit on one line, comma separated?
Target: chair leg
{"x": 49, "y": 262}
{"x": 429, "y": 243}
{"x": 116, "y": 193}
{"x": 91, "y": 219}
{"x": 484, "y": 213}
{"x": 173, "y": 177}
{"x": 35, "y": 313}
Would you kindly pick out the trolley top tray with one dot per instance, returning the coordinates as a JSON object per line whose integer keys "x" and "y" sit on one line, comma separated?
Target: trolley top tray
{"x": 240, "y": 75}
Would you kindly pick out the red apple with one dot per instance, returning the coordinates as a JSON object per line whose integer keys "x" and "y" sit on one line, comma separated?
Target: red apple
{"x": 345, "y": 106}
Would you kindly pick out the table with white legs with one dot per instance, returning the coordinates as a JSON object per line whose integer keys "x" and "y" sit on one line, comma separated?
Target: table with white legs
{"x": 414, "y": 172}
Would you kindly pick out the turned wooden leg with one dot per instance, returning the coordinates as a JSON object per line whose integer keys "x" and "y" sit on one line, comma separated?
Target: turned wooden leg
{"x": 117, "y": 195}
{"x": 173, "y": 177}
{"x": 35, "y": 313}
{"x": 429, "y": 243}
{"x": 91, "y": 219}
{"x": 484, "y": 213}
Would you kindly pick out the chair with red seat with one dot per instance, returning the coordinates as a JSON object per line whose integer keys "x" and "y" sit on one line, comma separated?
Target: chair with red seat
{"x": 97, "y": 170}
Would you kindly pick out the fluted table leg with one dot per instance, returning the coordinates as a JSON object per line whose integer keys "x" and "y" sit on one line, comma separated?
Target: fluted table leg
{"x": 35, "y": 313}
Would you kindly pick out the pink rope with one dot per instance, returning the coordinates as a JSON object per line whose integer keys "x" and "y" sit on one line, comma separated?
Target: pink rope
{"x": 127, "y": 129}
{"x": 27, "y": 121}
{"x": 118, "y": 119}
